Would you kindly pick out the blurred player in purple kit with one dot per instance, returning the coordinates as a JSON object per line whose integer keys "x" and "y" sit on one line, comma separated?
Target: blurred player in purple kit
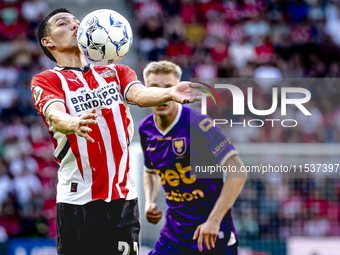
{"x": 175, "y": 139}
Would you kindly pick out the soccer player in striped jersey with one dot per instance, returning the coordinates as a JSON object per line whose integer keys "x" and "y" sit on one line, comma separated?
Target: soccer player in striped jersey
{"x": 174, "y": 140}
{"x": 85, "y": 110}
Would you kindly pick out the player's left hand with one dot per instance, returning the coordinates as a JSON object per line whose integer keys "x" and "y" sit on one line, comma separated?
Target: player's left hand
{"x": 185, "y": 92}
{"x": 207, "y": 234}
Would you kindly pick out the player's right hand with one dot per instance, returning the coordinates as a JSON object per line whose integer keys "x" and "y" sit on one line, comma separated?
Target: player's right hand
{"x": 80, "y": 126}
{"x": 152, "y": 214}
{"x": 185, "y": 92}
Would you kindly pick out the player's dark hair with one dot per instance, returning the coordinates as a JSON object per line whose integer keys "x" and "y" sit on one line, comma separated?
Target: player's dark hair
{"x": 44, "y": 30}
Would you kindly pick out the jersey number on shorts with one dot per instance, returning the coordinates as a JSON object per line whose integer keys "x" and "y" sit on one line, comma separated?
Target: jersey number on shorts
{"x": 125, "y": 247}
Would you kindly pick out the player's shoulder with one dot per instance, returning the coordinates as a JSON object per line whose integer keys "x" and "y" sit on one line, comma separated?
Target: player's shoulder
{"x": 120, "y": 67}
{"x": 146, "y": 124}
{"x": 45, "y": 77}
{"x": 201, "y": 123}
{"x": 47, "y": 74}
{"x": 193, "y": 115}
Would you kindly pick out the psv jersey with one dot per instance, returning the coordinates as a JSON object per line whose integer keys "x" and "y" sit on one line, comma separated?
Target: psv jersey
{"x": 188, "y": 142}
{"x": 87, "y": 170}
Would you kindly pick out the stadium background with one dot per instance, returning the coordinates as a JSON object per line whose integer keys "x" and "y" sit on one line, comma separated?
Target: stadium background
{"x": 207, "y": 38}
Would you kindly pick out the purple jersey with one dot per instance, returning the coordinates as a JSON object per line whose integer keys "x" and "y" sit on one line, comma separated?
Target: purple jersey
{"x": 188, "y": 142}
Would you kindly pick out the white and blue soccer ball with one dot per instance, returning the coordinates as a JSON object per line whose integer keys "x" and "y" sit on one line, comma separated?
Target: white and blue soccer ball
{"x": 104, "y": 36}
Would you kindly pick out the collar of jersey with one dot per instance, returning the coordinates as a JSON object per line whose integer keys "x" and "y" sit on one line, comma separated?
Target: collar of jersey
{"x": 172, "y": 124}
{"x": 63, "y": 68}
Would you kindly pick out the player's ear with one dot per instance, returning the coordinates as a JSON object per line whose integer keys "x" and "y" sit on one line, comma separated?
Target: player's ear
{"x": 47, "y": 42}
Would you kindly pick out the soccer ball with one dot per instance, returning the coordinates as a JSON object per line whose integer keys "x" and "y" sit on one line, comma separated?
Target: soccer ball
{"x": 104, "y": 36}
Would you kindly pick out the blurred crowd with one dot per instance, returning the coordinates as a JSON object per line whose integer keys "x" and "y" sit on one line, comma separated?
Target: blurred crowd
{"x": 20, "y": 54}
{"x": 28, "y": 172}
{"x": 208, "y": 39}
{"x": 241, "y": 38}
{"x": 279, "y": 208}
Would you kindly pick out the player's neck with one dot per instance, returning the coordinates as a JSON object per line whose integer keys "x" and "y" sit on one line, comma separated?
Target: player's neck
{"x": 164, "y": 121}
{"x": 70, "y": 59}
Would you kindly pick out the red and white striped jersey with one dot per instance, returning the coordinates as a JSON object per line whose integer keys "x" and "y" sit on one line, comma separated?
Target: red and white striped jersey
{"x": 87, "y": 170}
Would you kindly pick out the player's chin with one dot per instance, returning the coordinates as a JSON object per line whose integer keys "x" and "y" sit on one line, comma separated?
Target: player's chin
{"x": 73, "y": 42}
{"x": 161, "y": 110}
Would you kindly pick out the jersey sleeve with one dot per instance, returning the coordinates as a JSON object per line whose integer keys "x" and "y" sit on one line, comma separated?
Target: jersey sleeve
{"x": 211, "y": 140}
{"x": 127, "y": 78}
{"x": 46, "y": 89}
{"x": 147, "y": 162}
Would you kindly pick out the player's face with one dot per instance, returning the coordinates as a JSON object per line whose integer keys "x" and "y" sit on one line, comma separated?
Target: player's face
{"x": 162, "y": 81}
{"x": 64, "y": 27}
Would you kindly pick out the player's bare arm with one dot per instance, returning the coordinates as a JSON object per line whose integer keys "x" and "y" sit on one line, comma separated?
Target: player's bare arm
{"x": 152, "y": 186}
{"x": 207, "y": 232}
{"x": 67, "y": 124}
{"x": 183, "y": 92}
